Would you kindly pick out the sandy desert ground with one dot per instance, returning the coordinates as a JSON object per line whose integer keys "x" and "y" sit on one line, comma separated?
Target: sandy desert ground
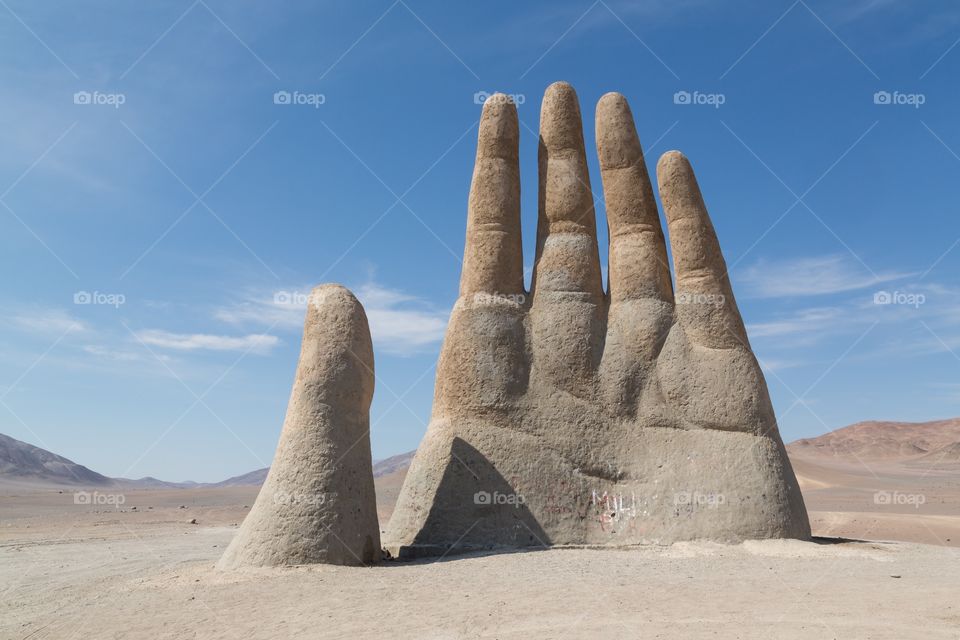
{"x": 883, "y": 481}
{"x": 76, "y": 571}
{"x": 880, "y": 502}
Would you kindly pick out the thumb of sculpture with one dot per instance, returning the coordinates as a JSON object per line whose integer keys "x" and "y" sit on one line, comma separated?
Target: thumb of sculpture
{"x": 317, "y": 504}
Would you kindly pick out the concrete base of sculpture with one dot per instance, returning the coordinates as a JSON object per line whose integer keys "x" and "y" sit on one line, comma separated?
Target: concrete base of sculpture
{"x": 469, "y": 490}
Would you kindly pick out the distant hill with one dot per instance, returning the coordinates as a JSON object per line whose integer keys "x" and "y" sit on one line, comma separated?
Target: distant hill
{"x": 251, "y": 478}
{"x": 949, "y": 453}
{"x": 153, "y": 483}
{"x": 22, "y": 462}
{"x": 256, "y": 478}
{"x": 930, "y": 442}
{"x": 392, "y": 464}
{"x": 945, "y": 459}
{"x": 931, "y": 445}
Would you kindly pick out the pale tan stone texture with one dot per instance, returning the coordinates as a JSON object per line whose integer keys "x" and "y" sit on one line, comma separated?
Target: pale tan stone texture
{"x": 493, "y": 257}
{"x": 575, "y": 416}
{"x": 317, "y": 504}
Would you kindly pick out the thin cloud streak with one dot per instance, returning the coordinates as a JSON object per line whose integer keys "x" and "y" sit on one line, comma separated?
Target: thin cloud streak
{"x": 401, "y": 323}
{"x": 255, "y": 343}
{"x": 47, "y": 321}
{"x": 809, "y": 276}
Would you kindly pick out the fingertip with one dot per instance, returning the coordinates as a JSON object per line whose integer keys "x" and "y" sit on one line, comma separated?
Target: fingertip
{"x": 672, "y": 161}
{"x": 612, "y": 103}
{"x": 497, "y": 98}
{"x": 337, "y": 350}
{"x": 499, "y": 135}
{"x": 333, "y": 304}
{"x": 560, "y": 87}
{"x": 679, "y": 190}
{"x": 618, "y": 145}
{"x": 498, "y": 105}
{"x": 332, "y": 293}
{"x": 560, "y": 122}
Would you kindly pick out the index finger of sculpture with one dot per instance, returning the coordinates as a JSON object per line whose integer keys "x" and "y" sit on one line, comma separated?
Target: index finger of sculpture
{"x": 705, "y": 306}
{"x": 492, "y": 258}
{"x": 482, "y": 361}
{"x": 638, "y": 253}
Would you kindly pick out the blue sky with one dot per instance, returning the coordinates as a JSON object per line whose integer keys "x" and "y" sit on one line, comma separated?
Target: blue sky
{"x": 196, "y": 212}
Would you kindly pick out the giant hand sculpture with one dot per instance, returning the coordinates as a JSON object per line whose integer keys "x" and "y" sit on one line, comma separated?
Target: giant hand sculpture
{"x": 575, "y": 416}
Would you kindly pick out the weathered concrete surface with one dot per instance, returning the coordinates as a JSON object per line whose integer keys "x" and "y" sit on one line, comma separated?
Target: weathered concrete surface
{"x": 577, "y": 416}
{"x": 317, "y": 504}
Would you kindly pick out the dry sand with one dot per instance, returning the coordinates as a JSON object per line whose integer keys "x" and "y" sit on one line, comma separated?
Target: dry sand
{"x": 69, "y": 571}
{"x": 880, "y": 500}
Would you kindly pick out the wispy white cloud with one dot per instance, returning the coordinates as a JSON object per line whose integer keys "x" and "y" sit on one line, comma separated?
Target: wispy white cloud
{"x": 858, "y": 9}
{"x": 813, "y": 320}
{"x": 809, "y": 276}
{"x": 913, "y": 320}
{"x": 255, "y": 343}
{"x": 400, "y": 323}
{"x": 47, "y": 321}
{"x": 282, "y": 309}
{"x": 121, "y": 355}
{"x": 772, "y": 365}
